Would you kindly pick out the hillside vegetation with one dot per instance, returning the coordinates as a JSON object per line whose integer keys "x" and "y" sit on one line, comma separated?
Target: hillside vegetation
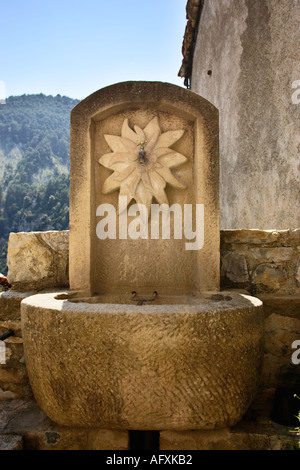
{"x": 34, "y": 165}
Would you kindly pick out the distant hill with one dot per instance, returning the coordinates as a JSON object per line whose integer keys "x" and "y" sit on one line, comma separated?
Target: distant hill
{"x": 34, "y": 165}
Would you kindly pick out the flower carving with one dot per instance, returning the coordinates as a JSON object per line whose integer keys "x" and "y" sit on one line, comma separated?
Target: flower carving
{"x": 141, "y": 161}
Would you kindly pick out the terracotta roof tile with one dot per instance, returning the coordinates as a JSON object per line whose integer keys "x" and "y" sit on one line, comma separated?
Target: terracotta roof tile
{"x": 193, "y": 13}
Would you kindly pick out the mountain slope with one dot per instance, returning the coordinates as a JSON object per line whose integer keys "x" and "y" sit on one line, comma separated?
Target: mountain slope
{"x": 34, "y": 165}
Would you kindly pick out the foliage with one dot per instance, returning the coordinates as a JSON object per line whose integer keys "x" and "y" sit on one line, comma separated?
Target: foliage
{"x": 34, "y": 165}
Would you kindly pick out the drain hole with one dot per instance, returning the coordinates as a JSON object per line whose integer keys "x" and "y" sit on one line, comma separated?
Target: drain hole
{"x": 286, "y": 407}
{"x": 144, "y": 440}
{"x": 220, "y": 297}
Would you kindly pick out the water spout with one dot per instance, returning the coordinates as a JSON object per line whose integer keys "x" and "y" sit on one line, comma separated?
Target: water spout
{"x": 141, "y": 301}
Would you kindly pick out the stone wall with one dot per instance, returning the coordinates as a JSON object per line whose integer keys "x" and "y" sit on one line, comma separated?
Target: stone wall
{"x": 246, "y": 62}
{"x": 261, "y": 261}
{"x": 266, "y": 264}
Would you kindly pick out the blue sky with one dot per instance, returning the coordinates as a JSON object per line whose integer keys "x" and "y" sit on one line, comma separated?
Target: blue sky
{"x": 75, "y": 47}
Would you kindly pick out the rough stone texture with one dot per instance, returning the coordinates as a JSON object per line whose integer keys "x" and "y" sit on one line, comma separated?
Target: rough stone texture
{"x": 260, "y": 436}
{"x": 10, "y": 301}
{"x": 148, "y": 367}
{"x": 234, "y": 267}
{"x": 251, "y": 50}
{"x": 280, "y": 333}
{"x": 260, "y": 261}
{"x": 99, "y": 266}
{"x": 11, "y": 442}
{"x": 269, "y": 277}
{"x": 38, "y": 260}
{"x": 25, "y": 420}
{"x": 14, "y": 382}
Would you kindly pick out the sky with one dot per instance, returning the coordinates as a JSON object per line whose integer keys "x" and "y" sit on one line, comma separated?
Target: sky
{"x": 76, "y": 47}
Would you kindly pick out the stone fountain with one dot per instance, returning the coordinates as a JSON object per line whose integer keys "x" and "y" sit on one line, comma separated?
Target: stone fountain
{"x": 144, "y": 339}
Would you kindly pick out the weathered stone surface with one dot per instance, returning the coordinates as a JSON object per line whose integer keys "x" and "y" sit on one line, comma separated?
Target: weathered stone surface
{"x": 260, "y": 437}
{"x": 108, "y": 265}
{"x": 280, "y": 333}
{"x": 271, "y": 258}
{"x": 247, "y": 47}
{"x": 11, "y": 442}
{"x": 14, "y": 382}
{"x": 276, "y": 255}
{"x": 269, "y": 277}
{"x": 166, "y": 366}
{"x": 38, "y": 260}
{"x": 25, "y": 419}
{"x": 10, "y": 304}
{"x": 234, "y": 267}
{"x": 298, "y": 273}
{"x": 7, "y": 395}
{"x": 282, "y": 304}
{"x": 250, "y": 236}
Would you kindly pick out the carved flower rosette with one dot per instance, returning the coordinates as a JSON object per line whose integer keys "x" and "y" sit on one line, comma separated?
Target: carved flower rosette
{"x": 141, "y": 161}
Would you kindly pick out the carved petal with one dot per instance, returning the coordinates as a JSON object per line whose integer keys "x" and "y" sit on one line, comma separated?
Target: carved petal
{"x": 157, "y": 181}
{"x": 172, "y": 159}
{"x": 169, "y": 138}
{"x": 152, "y": 129}
{"x": 128, "y": 133}
{"x": 169, "y": 178}
{"x": 152, "y": 142}
{"x": 120, "y": 144}
{"x": 143, "y": 196}
{"x": 161, "y": 196}
{"x": 140, "y": 133}
{"x": 110, "y": 185}
{"x": 146, "y": 181}
{"x": 111, "y": 158}
{"x": 129, "y": 186}
{"x": 123, "y": 173}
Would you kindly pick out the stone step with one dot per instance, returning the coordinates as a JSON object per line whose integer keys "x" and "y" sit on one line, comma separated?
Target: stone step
{"x": 10, "y": 304}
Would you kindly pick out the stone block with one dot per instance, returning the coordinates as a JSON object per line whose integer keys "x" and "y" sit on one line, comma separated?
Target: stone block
{"x": 10, "y": 304}
{"x": 234, "y": 268}
{"x": 11, "y": 442}
{"x": 38, "y": 260}
{"x": 253, "y": 237}
{"x": 219, "y": 440}
{"x": 269, "y": 278}
{"x": 24, "y": 418}
{"x": 275, "y": 255}
{"x": 282, "y": 304}
{"x": 280, "y": 333}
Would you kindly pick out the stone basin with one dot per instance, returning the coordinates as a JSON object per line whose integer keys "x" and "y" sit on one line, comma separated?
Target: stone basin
{"x": 178, "y": 363}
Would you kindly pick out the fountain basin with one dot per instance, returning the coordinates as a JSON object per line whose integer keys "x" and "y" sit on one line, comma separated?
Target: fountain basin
{"x": 180, "y": 363}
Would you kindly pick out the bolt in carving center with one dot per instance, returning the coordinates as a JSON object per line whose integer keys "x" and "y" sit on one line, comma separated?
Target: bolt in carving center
{"x": 142, "y": 153}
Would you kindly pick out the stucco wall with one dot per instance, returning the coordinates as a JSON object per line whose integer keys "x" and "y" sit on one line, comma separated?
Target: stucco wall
{"x": 251, "y": 49}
